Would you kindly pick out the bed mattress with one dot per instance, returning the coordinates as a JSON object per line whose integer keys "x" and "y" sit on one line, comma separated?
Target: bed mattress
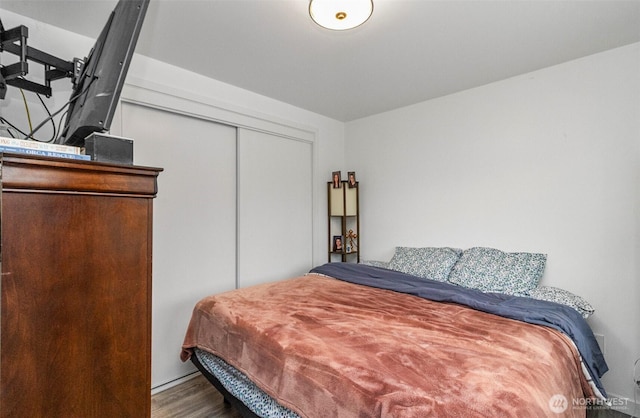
{"x": 327, "y": 345}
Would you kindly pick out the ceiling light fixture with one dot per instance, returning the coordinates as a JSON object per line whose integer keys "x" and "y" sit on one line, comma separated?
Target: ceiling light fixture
{"x": 340, "y": 14}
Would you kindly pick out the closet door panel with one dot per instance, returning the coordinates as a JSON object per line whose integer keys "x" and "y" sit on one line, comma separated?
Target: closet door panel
{"x": 274, "y": 207}
{"x": 194, "y": 237}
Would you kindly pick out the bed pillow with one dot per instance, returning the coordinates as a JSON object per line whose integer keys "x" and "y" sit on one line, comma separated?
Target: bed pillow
{"x": 428, "y": 262}
{"x": 491, "y": 270}
{"x": 564, "y": 297}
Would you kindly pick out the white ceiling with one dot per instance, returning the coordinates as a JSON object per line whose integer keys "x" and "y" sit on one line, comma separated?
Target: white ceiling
{"x": 408, "y": 52}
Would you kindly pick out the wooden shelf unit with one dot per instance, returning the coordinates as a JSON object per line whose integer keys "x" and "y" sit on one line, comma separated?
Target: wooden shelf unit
{"x": 343, "y": 215}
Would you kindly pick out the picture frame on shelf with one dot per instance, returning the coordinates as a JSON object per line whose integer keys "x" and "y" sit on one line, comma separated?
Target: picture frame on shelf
{"x": 337, "y": 244}
{"x": 336, "y": 179}
{"x": 351, "y": 179}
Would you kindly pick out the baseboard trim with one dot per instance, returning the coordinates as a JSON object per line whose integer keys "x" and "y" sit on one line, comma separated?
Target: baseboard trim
{"x": 176, "y": 382}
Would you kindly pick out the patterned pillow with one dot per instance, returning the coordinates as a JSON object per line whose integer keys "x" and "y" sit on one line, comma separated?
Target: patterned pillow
{"x": 491, "y": 270}
{"x": 428, "y": 262}
{"x": 564, "y": 297}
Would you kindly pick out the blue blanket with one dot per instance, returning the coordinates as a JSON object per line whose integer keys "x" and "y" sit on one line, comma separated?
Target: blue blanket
{"x": 554, "y": 315}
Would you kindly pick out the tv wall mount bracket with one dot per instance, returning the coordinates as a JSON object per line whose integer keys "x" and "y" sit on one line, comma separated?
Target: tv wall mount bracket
{"x": 14, "y": 41}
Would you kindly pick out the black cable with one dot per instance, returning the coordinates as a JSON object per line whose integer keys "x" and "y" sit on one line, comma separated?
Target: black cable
{"x": 53, "y": 123}
{"x": 12, "y": 125}
{"x": 66, "y": 112}
{"x": 71, "y": 100}
{"x": 53, "y": 137}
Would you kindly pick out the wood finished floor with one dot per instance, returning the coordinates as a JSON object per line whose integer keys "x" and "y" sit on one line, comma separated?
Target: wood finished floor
{"x": 197, "y": 398}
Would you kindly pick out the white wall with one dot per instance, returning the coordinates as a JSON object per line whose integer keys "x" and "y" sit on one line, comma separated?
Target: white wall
{"x": 546, "y": 162}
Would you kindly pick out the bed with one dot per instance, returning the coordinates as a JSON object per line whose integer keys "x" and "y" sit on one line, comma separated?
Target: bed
{"x": 356, "y": 340}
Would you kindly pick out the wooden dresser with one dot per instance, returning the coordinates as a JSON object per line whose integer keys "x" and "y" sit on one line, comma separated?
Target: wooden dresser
{"x": 75, "y": 337}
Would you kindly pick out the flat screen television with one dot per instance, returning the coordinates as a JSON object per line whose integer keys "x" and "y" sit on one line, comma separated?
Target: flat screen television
{"x": 97, "y": 89}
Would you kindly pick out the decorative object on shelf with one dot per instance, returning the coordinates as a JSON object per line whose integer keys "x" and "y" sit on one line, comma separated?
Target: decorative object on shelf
{"x": 343, "y": 218}
{"x": 340, "y": 14}
{"x": 351, "y": 179}
{"x": 337, "y": 180}
{"x": 352, "y": 241}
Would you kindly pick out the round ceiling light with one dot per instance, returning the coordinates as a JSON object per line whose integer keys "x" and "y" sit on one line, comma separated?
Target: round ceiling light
{"x": 340, "y": 14}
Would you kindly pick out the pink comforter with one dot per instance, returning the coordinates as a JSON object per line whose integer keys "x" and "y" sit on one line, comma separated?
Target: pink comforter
{"x": 327, "y": 348}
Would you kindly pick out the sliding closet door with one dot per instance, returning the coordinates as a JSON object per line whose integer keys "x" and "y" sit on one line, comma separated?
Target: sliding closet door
{"x": 194, "y": 234}
{"x": 274, "y": 207}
